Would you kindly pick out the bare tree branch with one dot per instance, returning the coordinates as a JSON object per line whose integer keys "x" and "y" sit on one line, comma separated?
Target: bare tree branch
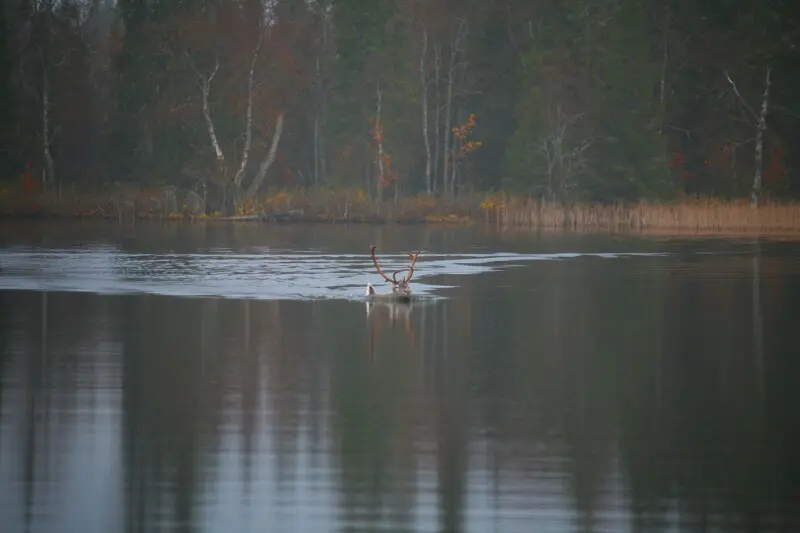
{"x": 205, "y": 88}
{"x": 744, "y": 102}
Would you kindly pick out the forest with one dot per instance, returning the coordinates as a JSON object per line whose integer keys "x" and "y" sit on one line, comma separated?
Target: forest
{"x": 223, "y": 102}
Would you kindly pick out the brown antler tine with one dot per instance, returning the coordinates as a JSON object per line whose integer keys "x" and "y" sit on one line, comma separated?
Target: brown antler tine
{"x": 413, "y": 257}
{"x": 375, "y": 261}
{"x": 396, "y": 272}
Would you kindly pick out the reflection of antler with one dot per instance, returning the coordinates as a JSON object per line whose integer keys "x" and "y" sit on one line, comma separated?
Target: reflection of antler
{"x": 399, "y": 287}
{"x": 388, "y": 313}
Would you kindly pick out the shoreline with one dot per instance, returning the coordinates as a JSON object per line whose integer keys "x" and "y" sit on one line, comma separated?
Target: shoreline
{"x": 667, "y": 231}
{"x": 350, "y": 207}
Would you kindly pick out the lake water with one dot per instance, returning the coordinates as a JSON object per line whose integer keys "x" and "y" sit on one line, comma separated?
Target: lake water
{"x": 232, "y": 379}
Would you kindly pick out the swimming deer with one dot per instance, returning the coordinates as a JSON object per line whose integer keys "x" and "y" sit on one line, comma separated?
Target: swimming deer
{"x": 400, "y": 288}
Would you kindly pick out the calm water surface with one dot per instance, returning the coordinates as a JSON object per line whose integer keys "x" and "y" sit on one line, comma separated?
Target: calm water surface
{"x": 231, "y": 379}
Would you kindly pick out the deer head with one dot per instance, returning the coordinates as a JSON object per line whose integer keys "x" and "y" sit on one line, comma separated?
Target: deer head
{"x": 399, "y": 287}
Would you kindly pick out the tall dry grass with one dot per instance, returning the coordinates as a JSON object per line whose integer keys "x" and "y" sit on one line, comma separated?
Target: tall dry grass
{"x": 123, "y": 202}
{"x": 686, "y": 215}
{"x": 355, "y": 205}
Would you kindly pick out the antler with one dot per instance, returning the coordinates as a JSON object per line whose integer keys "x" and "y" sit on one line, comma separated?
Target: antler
{"x": 396, "y": 272}
{"x": 398, "y": 286}
{"x": 413, "y": 257}
{"x": 375, "y": 261}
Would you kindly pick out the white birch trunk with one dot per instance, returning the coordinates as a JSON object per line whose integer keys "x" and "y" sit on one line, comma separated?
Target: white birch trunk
{"x": 248, "y": 132}
{"x": 446, "y": 138}
{"x": 379, "y": 126}
{"x": 447, "y": 183}
{"x": 453, "y": 165}
{"x": 316, "y": 148}
{"x": 665, "y": 58}
{"x": 424, "y": 88}
{"x": 318, "y": 111}
{"x": 49, "y": 177}
{"x": 437, "y": 62}
{"x": 762, "y": 126}
{"x": 205, "y": 86}
{"x": 268, "y": 160}
{"x": 320, "y": 93}
{"x": 316, "y": 122}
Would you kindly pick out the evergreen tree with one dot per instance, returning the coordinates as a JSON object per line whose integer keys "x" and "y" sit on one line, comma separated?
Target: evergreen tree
{"x": 6, "y": 97}
{"x": 628, "y": 144}
{"x": 361, "y": 38}
{"x": 133, "y": 93}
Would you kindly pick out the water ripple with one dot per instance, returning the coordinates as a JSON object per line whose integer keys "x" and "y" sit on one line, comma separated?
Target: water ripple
{"x": 264, "y": 275}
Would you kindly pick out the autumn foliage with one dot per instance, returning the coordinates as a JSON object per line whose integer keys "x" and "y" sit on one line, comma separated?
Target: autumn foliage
{"x": 776, "y": 171}
{"x": 461, "y": 133}
{"x": 386, "y": 178}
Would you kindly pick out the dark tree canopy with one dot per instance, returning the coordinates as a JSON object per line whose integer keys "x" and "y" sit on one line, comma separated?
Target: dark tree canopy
{"x": 565, "y": 101}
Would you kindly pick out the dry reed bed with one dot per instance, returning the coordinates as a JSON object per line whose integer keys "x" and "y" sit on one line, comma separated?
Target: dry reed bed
{"x": 353, "y": 205}
{"x": 692, "y": 216}
{"x": 106, "y": 202}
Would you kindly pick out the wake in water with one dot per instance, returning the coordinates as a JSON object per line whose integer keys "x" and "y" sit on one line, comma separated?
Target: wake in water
{"x": 264, "y": 276}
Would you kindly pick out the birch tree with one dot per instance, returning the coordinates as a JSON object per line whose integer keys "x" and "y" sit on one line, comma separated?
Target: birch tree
{"x": 760, "y": 122}
{"x": 455, "y": 64}
{"x": 236, "y": 180}
{"x": 233, "y": 169}
{"x": 424, "y": 102}
{"x": 563, "y": 158}
{"x": 34, "y": 70}
{"x": 321, "y": 88}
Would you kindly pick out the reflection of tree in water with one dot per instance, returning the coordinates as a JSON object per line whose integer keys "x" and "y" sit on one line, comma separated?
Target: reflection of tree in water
{"x": 402, "y": 407}
{"x": 363, "y": 424}
{"x": 37, "y": 412}
{"x": 250, "y": 386}
{"x": 590, "y": 375}
{"x": 450, "y": 392}
{"x": 654, "y": 374}
{"x": 49, "y": 371}
{"x": 6, "y": 331}
{"x": 172, "y": 403}
{"x": 287, "y": 365}
{"x": 720, "y": 442}
{"x": 378, "y": 410}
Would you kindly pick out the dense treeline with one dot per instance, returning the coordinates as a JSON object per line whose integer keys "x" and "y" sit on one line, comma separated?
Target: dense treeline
{"x": 610, "y": 100}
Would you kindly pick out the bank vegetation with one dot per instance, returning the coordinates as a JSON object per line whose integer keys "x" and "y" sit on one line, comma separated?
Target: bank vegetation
{"x": 353, "y": 206}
